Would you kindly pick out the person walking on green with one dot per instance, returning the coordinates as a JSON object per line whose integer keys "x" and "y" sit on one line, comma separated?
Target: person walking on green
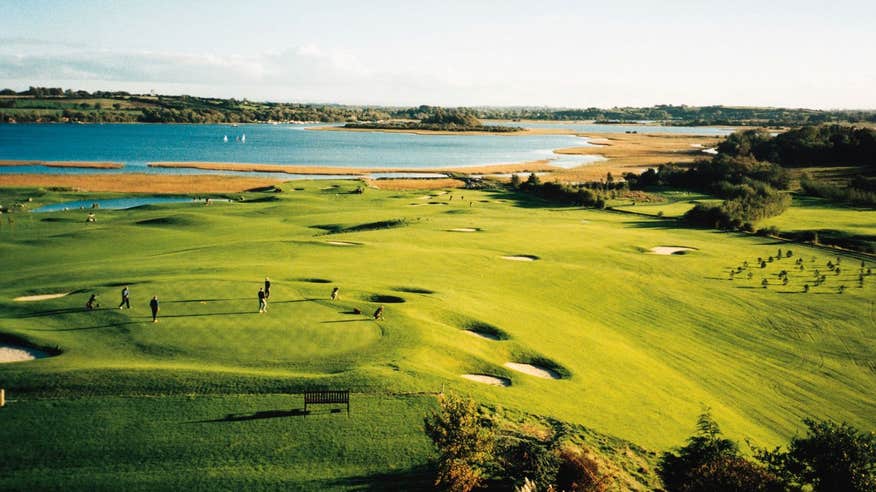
{"x": 263, "y": 301}
{"x": 153, "y": 305}
{"x": 126, "y": 300}
{"x": 267, "y": 288}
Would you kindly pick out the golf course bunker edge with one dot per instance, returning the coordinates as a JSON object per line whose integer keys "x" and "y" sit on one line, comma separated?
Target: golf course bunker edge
{"x": 485, "y": 331}
{"x": 534, "y": 370}
{"x": 520, "y": 257}
{"x": 487, "y": 379}
{"x": 10, "y": 352}
{"x": 40, "y": 297}
{"x": 670, "y": 250}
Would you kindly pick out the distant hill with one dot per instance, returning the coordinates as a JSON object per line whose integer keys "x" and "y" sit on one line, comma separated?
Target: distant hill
{"x": 53, "y": 104}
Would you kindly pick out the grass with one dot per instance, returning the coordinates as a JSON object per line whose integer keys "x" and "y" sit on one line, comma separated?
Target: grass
{"x": 644, "y": 341}
{"x": 675, "y": 204}
{"x": 811, "y": 213}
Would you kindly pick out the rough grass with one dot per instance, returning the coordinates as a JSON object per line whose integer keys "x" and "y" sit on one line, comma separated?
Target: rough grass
{"x": 647, "y": 340}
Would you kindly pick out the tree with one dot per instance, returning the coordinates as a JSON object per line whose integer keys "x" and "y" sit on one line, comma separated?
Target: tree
{"x": 732, "y": 473}
{"x": 831, "y": 457}
{"x": 463, "y": 443}
{"x": 706, "y": 445}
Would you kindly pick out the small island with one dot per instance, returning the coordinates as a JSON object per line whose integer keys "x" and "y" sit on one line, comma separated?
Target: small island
{"x": 437, "y": 119}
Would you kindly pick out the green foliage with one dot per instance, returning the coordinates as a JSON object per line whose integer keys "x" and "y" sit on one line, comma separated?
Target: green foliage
{"x": 438, "y": 119}
{"x": 231, "y": 110}
{"x": 807, "y": 146}
{"x": 524, "y": 458}
{"x": 677, "y": 468}
{"x": 458, "y": 117}
{"x": 590, "y": 194}
{"x": 464, "y": 444}
{"x": 732, "y": 473}
{"x": 861, "y": 191}
{"x": 709, "y": 462}
{"x": 831, "y": 457}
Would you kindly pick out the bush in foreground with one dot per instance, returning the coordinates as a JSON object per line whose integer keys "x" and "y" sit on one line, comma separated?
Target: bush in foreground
{"x": 831, "y": 457}
{"x": 465, "y": 446}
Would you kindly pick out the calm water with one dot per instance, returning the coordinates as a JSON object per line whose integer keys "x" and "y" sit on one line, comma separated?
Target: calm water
{"x": 137, "y": 144}
{"x": 121, "y": 203}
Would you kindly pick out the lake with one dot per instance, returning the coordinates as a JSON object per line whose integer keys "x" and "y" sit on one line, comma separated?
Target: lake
{"x": 135, "y": 145}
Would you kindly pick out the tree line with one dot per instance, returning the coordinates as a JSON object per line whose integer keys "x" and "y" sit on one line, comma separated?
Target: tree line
{"x": 232, "y": 110}
{"x": 438, "y": 119}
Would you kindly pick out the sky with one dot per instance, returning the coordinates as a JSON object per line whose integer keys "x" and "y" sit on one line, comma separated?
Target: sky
{"x": 477, "y": 53}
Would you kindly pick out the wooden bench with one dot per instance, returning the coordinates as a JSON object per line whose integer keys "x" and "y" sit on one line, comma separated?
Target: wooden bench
{"x": 327, "y": 397}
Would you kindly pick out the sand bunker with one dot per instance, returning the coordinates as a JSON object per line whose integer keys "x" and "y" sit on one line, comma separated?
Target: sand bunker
{"x": 520, "y": 257}
{"x": 670, "y": 250}
{"x": 342, "y": 243}
{"x": 463, "y": 229}
{"x": 41, "y": 297}
{"x": 14, "y": 353}
{"x": 485, "y": 336}
{"x": 485, "y": 379}
{"x": 539, "y": 372}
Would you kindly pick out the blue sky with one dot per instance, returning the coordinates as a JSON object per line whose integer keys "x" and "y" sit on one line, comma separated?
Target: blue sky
{"x": 553, "y": 53}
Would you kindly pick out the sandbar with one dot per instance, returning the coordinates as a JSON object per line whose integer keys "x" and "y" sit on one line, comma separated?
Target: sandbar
{"x": 140, "y": 183}
{"x": 77, "y": 164}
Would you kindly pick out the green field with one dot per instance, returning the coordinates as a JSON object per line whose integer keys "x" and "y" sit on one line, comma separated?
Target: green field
{"x": 676, "y": 203}
{"x": 810, "y": 213}
{"x": 206, "y": 397}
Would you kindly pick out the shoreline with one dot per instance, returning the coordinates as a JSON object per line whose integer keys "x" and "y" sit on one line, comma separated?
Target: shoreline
{"x": 523, "y": 132}
{"x": 542, "y": 165}
{"x": 139, "y": 183}
{"x": 73, "y": 164}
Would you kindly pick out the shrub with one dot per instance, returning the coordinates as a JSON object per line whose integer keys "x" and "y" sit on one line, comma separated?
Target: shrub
{"x": 676, "y": 468}
{"x": 831, "y": 457}
{"x": 527, "y": 458}
{"x": 463, "y": 443}
{"x": 579, "y": 472}
{"x": 732, "y": 473}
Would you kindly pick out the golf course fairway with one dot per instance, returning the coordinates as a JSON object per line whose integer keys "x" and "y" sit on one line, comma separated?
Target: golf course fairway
{"x": 631, "y": 344}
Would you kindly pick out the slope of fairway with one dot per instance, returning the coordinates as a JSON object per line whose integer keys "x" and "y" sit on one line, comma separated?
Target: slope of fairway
{"x": 640, "y": 342}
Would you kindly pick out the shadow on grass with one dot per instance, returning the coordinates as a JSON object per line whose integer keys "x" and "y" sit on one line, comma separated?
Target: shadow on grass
{"x": 95, "y": 327}
{"x": 347, "y": 320}
{"x": 420, "y": 477}
{"x": 54, "y": 312}
{"x": 207, "y": 300}
{"x": 264, "y": 414}
{"x": 268, "y": 414}
{"x": 196, "y": 315}
{"x": 658, "y": 224}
